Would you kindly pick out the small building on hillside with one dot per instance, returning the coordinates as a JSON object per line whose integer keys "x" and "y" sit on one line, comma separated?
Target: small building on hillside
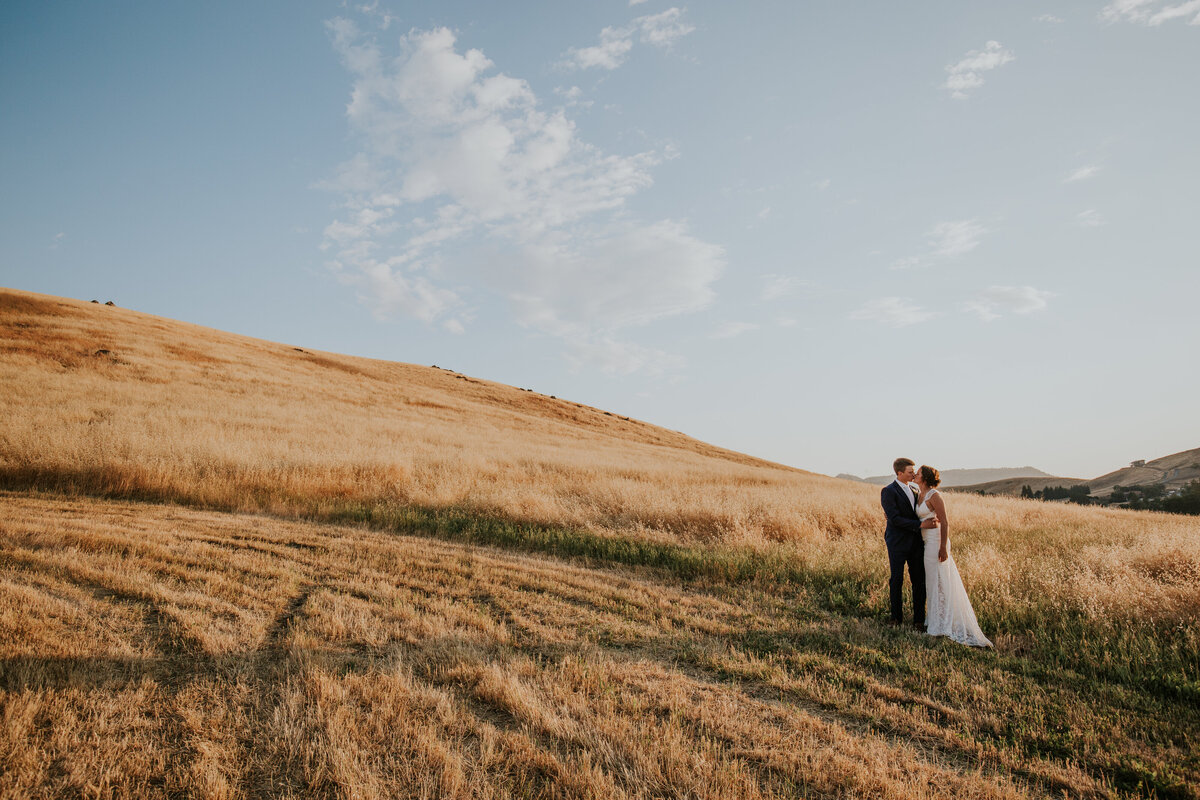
{"x": 1141, "y": 462}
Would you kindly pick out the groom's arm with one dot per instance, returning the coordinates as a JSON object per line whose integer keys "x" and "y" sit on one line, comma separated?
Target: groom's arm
{"x": 891, "y": 508}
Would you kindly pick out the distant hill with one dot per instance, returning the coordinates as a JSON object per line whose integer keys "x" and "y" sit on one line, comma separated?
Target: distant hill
{"x": 1173, "y": 471}
{"x": 963, "y": 477}
{"x": 1012, "y": 486}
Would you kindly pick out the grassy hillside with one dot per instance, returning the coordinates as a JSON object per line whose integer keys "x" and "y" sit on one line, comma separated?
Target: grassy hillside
{"x": 1173, "y": 471}
{"x": 1012, "y": 486}
{"x": 231, "y": 568}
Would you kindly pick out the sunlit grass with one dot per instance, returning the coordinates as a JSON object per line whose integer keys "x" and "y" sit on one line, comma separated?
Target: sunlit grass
{"x": 159, "y": 650}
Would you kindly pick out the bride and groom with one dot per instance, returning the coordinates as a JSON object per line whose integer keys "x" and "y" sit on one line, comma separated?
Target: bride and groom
{"x": 917, "y": 535}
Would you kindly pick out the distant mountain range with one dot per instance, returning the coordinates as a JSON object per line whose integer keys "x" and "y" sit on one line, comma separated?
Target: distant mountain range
{"x": 1174, "y": 471}
{"x": 964, "y": 477}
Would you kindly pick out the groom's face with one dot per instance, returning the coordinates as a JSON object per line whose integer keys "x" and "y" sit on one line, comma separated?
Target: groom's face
{"x": 908, "y": 475}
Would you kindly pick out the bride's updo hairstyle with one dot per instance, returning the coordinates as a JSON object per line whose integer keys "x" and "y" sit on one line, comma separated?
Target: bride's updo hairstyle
{"x": 930, "y": 475}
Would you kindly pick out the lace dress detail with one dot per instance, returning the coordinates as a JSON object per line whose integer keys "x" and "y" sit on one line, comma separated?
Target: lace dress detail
{"x": 949, "y": 612}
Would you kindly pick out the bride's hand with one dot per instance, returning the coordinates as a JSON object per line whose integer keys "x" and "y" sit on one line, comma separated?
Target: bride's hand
{"x": 942, "y": 555}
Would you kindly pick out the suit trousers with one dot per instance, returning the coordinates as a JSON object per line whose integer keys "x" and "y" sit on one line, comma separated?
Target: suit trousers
{"x": 911, "y": 551}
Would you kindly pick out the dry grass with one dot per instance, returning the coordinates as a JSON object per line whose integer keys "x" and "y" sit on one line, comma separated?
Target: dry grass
{"x": 343, "y": 662}
{"x": 158, "y": 651}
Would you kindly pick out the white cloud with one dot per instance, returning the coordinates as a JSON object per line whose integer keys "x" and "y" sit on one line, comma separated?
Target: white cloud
{"x": 621, "y": 276}
{"x": 897, "y": 312}
{"x": 455, "y": 158}
{"x": 664, "y": 29}
{"x": 383, "y": 19}
{"x": 613, "y": 357}
{"x": 1150, "y": 12}
{"x": 952, "y": 239}
{"x": 659, "y": 30}
{"x": 1000, "y": 300}
{"x": 946, "y": 240}
{"x": 633, "y": 3}
{"x": 729, "y": 330}
{"x": 1089, "y": 219}
{"x": 1083, "y": 173}
{"x": 571, "y": 97}
{"x": 1049, "y": 18}
{"x": 776, "y": 287}
{"x": 822, "y": 184}
{"x": 615, "y": 44}
{"x": 59, "y": 238}
{"x": 967, "y": 74}
{"x": 909, "y": 262}
{"x": 387, "y": 291}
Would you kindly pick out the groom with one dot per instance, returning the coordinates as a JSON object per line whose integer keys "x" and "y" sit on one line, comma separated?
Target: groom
{"x": 904, "y": 542}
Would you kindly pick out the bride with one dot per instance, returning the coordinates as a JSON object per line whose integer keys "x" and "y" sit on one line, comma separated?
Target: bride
{"x": 949, "y": 611}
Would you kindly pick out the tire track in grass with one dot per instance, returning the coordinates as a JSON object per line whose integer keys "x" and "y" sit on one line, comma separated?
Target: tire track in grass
{"x": 270, "y": 667}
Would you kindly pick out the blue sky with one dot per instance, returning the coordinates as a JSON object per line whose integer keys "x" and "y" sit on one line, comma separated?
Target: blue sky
{"x": 826, "y": 234}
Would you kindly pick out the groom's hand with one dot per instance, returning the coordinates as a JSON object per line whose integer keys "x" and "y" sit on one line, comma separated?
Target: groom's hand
{"x": 929, "y": 523}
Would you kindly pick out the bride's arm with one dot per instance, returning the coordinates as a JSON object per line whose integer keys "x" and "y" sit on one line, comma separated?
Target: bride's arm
{"x": 939, "y": 508}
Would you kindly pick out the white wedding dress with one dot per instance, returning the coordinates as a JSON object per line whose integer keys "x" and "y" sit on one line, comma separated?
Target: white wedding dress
{"x": 948, "y": 609}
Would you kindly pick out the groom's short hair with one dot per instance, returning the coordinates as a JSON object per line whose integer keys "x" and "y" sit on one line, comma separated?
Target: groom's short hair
{"x": 900, "y": 464}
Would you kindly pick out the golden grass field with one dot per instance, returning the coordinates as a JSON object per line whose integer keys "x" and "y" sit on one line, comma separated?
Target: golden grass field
{"x": 233, "y": 568}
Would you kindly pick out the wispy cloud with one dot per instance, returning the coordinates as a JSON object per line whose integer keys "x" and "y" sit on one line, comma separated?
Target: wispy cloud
{"x": 571, "y": 97}
{"x": 945, "y": 241}
{"x": 382, "y": 17}
{"x": 967, "y": 74}
{"x": 729, "y": 330}
{"x": 952, "y": 239}
{"x": 776, "y": 287}
{"x": 1083, "y": 173}
{"x": 1151, "y": 12}
{"x": 997, "y": 301}
{"x": 896, "y": 312}
{"x": 59, "y": 238}
{"x": 1089, "y": 219}
{"x": 614, "y": 357}
{"x": 659, "y": 30}
{"x": 610, "y": 53}
{"x": 1048, "y": 18}
{"x": 459, "y": 166}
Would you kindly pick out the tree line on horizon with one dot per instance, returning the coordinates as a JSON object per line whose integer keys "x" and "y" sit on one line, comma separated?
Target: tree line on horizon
{"x": 1150, "y": 497}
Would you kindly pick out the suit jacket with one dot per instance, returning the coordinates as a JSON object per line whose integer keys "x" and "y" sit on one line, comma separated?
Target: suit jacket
{"x": 902, "y": 519}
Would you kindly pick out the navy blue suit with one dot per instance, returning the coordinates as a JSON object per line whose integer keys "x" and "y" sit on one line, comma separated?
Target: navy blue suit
{"x": 905, "y": 546}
